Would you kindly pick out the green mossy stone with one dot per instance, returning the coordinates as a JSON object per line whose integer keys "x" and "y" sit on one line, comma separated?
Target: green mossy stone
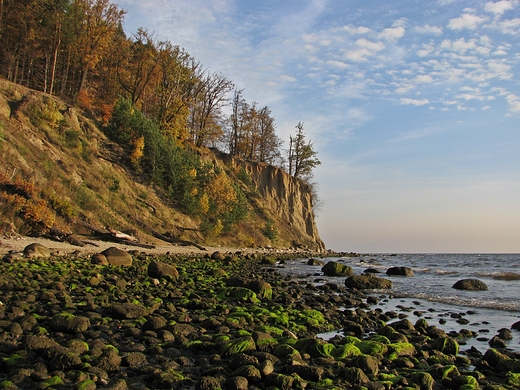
{"x": 513, "y": 379}
{"x": 312, "y": 317}
{"x": 372, "y": 347}
{"x": 242, "y": 344}
{"x": 423, "y": 380}
{"x": 8, "y": 385}
{"x": 86, "y": 385}
{"x": 446, "y": 345}
{"x": 345, "y": 351}
{"x": 314, "y": 347}
{"x": 380, "y": 339}
{"x": 284, "y": 351}
{"x": 403, "y": 349}
{"x": 241, "y": 294}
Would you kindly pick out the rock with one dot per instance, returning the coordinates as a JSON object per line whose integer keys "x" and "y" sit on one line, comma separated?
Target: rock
{"x": 367, "y": 282}
{"x": 505, "y": 334}
{"x": 471, "y": 285}
{"x": 400, "y": 271}
{"x": 109, "y": 361}
{"x": 129, "y": 310}
{"x": 309, "y": 373}
{"x": 237, "y": 383}
{"x": 262, "y": 289}
{"x": 497, "y": 342}
{"x": 217, "y": 256}
{"x": 98, "y": 258}
{"x": 315, "y": 262}
{"x": 333, "y": 268}
{"x": 36, "y": 250}
{"x": 160, "y": 270}
{"x": 116, "y": 256}
{"x": 355, "y": 376}
{"x": 69, "y": 323}
{"x": 208, "y": 383}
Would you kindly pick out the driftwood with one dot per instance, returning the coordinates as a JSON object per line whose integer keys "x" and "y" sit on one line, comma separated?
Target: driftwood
{"x": 61, "y": 236}
{"x": 170, "y": 239}
{"x": 115, "y": 236}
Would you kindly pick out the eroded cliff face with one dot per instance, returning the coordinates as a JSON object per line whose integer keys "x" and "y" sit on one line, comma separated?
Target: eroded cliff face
{"x": 287, "y": 201}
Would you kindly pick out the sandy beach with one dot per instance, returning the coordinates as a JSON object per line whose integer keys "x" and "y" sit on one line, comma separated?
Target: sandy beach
{"x": 9, "y": 245}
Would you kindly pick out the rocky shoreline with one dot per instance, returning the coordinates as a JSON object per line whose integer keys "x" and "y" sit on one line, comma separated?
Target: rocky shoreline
{"x": 216, "y": 321}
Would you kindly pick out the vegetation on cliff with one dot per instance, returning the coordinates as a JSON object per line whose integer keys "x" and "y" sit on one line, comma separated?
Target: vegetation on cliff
{"x": 161, "y": 111}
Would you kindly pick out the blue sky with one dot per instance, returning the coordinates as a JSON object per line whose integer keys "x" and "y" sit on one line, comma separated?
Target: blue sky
{"x": 414, "y": 107}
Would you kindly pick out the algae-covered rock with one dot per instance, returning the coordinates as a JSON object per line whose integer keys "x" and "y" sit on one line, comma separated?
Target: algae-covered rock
{"x": 264, "y": 341}
{"x": 446, "y": 345}
{"x": 241, "y": 344}
{"x": 424, "y": 380}
{"x": 333, "y": 268}
{"x": 368, "y": 347}
{"x": 241, "y": 294}
{"x": 314, "y": 347}
{"x": 262, "y": 289}
{"x": 250, "y": 372}
{"x": 279, "y": 381}
{"x": 369, "y": 365}
{"x": 284, "y": 351}
{"x": 346, "y": 351}
{"x": 401, "y": 349}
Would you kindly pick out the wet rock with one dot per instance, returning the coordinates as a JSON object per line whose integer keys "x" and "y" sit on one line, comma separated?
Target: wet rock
{"x": 400, "y": 271}
{"x": 116, "y": 256}
{"x": 315, "y": 262}
{"x": 367, "y": 282}
{"x": 471, "y": 285}
{"x": 497, "y": 342}
{"x": 333, "y": 268}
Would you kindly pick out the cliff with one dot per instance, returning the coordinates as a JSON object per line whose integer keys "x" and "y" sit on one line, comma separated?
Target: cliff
{"x": 59, "y": 170}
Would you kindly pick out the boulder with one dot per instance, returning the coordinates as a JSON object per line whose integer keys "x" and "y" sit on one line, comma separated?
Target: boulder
{"x": 333, "y": 268}
{"x": 471, "y": 285}
{"x": 400, "y": 271}
{"x": 129, "y": 310}
{"x": 217, "y": 256}
{"x": 36, "y": 250}
{"x": 367, "y": 282}
{"x": 116, "y": 256}
{"x": 98, "y": 258}
{"x": 159, "y": 270}
{"x": 69, "y": 323}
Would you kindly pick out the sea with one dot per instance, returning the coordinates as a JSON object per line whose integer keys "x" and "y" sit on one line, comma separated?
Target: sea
{"x": 429, "y": 294}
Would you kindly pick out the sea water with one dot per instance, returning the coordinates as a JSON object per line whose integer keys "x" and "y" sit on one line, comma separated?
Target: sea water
{"x": 429, "y": 294}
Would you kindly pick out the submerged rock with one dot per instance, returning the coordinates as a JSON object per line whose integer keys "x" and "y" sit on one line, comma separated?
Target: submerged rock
{"x": 367, "y": 282}
{"x": 333, "y": 268}
{"x": 471, "y": 285}
{"x": 400, "y": 271}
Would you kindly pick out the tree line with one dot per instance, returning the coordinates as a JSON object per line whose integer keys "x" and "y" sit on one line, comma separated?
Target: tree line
{"x": 78, "y": 50}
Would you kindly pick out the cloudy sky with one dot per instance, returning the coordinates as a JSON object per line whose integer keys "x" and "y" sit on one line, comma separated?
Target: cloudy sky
{"x": 414, "y": 107}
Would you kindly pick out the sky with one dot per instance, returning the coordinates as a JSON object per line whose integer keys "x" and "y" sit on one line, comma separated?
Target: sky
{"x": 413, "y": 107}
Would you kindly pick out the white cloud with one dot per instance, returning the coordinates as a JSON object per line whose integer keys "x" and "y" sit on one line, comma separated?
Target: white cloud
{"x": 500, "y": 69}
{"x": 514, "y": 102}
{"x": 392, "y": 33}
{"x": 499, "y": 7}
{"x": 356, "y": 30}
{"x": 414, "y": 102}
{"x": 468, "y": 21}
{"x": 337, "y": 64}
{"x": 427, "y": 29}
{"x": 359, "y": 55}
{"x": 372, "y": 46}
{"x": 424, "y": 79}
{"x": 511, "y": 26}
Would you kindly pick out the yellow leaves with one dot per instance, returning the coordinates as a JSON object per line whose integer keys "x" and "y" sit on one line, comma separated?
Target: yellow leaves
{"x": 222, "y": 193}
{"x": 193, "y": 172}
{"x": 137, "y": 153}
{"x": 204, "y": 203}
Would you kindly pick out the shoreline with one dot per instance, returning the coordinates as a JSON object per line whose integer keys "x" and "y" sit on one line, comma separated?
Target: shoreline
{"x": 95, "y": 245}
{"x": 172, "y": 322}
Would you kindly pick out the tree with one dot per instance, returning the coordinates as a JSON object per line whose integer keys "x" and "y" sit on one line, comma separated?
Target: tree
{"x": 301, "y": 155}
